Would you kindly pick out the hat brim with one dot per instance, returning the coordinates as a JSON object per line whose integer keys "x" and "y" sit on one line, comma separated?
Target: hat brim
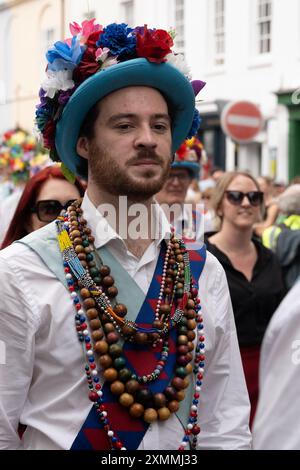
{"x": 192, "y": 167}
{"x": 164, "y": 77}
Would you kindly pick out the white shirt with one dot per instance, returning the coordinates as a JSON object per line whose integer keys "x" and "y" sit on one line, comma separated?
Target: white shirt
{"x": 276, "y": 424}
{"x": 43, "y": 385}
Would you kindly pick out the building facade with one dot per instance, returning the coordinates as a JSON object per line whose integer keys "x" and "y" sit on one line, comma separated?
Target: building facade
{"x": 243, "y": 49}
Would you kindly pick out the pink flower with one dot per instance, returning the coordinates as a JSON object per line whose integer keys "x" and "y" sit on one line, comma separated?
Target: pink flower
{"x": 86, "y": 29}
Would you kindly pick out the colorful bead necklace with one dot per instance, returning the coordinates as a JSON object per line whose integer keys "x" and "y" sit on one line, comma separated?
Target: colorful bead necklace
{"x": 177, "y": 307}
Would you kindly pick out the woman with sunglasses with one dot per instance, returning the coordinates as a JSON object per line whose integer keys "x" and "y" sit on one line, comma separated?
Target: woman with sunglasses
{"x": 43, "y": 198}
{"x": 253, "y": 272}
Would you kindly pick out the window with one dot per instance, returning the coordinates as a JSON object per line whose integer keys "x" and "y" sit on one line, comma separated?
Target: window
{"x": 127, "y": 13}
{"x": 48, "y": 38}
{"x": 264, "y": 25}
{"x": 219, "y": 32}
{"x": 179, "y": 26}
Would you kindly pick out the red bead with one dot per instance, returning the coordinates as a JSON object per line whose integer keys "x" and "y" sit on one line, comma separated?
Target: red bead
{"x": 118, "y": 445}
{"x": 88, "y": 346}
{"x": 201, "y": 339}
{"x": 93, "y": 366}
{"x": 67, "y": 270}
{"x": 193, "y": 414}
{"x": 199, "y": 376}
{"x": 181, "y": 448}
{"x": 71, "y": 288}
{"x": 202, "y": 357}
{"x": 93, "y": 396}
{"x": 196, "y": 395}
{"x": 78, "y": 327}
{"x": 98, "y": 387}
{"x": 78, "y": 306}
{"x": 102, "y": 408}
{"x": 83, "y": 326}
{"x": 196, "y": 430}
{"x": 194, "y": 292}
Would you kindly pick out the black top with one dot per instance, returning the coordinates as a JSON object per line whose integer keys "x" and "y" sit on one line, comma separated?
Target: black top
{"x": 255, "y": 301}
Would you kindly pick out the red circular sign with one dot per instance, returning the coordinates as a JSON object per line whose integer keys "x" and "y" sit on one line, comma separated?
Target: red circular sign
{"x": 241, "y": 120}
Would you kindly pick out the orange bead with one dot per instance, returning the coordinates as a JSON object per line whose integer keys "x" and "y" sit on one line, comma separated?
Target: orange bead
{"x": 150, "y": 415}
{"x": 105, "y": 361}
{"x": 92, "y": 313}
{"x": 180, "y": 395}
{"x": 117, "y": 387}
{"x": 95, "y": 324}
{"x": 101, "y": 347}
{"x": 110, "y": 374}
{"x": 126, "y": 399}
{"x": 173, "y": 406}
{"x": 136, "y": 410}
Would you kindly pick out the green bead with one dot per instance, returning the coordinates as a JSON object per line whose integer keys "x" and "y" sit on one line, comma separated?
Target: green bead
{"x": 181, "y": 372}
{"x": 94, "y": 272}
{"x": 119, "y": 363}
{"x": 115, "y": 350}
{"x": 182, "y": 329}
{"x": 85, "y": 243}
{"x": 179, "y": 293}
{"x": 89, "y": 257}
{"x": 125, "y": 375}
{"x": 97, "y": 280}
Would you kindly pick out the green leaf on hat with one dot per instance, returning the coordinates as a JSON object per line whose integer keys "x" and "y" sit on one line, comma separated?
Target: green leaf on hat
{"x": 68, "y": 174}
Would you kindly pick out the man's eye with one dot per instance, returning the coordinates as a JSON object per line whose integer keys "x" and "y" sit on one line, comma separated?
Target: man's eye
{"x": 124, "y": 126}
{"x": 161, "y": 127}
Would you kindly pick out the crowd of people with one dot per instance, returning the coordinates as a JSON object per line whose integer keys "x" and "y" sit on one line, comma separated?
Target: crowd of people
{"x": 184, "y": 335}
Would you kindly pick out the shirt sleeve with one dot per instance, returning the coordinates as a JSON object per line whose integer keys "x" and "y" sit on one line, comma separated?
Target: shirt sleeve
{"x": 276, "y": 424}
{"x": 224, "y": 406}
{"x": 17, "y": 329}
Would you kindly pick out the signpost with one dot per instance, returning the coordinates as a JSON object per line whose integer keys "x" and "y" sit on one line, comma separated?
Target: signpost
{"x": 242, "y": 121}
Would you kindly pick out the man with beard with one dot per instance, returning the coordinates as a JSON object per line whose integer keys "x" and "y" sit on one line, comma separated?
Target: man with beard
{"x": 130, "y": 373}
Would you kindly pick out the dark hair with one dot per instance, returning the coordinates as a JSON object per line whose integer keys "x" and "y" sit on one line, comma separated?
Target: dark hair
{"x": 17, "y": 228}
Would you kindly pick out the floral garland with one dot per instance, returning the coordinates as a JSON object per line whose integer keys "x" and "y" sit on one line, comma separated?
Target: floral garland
{"x": 90, "y": 50}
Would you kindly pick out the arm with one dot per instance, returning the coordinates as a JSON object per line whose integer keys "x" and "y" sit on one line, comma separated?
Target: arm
{"x": 224, "y": 406}
{"x": 17, "y": 344}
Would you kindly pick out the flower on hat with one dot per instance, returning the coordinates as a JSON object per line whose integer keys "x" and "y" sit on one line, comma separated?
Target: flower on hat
{"x": 191, "y": 150}
{"x": 154, "y": 45}
{"x": 91, "y": 50}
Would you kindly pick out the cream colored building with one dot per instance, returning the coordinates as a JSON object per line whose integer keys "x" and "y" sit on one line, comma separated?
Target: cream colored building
{"x": 28, "y": 27}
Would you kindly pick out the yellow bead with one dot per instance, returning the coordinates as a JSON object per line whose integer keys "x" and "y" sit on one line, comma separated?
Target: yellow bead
{"x": 163, "y": 413}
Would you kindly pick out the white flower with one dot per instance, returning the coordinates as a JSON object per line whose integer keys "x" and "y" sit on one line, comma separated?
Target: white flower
{"x": 178, "y": 61}
{"x": 109, "y": 62}
{"x": 60, "y": 80}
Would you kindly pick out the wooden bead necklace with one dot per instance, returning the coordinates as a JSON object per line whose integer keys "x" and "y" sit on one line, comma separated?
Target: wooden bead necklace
{"x": 177, "y": 307}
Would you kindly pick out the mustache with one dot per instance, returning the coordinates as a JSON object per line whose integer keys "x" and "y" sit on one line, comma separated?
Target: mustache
{"x": 147, "y": 154}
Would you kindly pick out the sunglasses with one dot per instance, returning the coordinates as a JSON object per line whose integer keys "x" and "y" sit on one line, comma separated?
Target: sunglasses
{"x": 236, "y": 198}
{"x": 48, "y": 210}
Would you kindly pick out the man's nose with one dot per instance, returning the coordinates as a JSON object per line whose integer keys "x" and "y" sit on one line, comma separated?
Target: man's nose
{"x": 145, "y": 137}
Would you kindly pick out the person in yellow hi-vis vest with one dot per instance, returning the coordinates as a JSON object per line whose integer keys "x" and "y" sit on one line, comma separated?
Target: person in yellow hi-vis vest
{"x": 284, "y": 236}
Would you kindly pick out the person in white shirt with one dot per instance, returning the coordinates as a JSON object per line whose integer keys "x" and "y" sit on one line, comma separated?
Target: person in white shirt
{"x": 189, "y": 220}
{"x": 276, "y": 423}
{"x": 101, "y": 333}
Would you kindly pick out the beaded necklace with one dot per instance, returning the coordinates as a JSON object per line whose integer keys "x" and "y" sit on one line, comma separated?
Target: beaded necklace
{"x": 177, "y": 307}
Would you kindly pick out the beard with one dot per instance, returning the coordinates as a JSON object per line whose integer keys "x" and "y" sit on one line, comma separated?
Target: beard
{"x": 109, "y": 176}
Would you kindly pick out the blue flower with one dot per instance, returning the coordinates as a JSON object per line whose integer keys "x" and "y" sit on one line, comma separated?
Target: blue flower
{"x": 44, "y": 112}
{"x": 195, "y": 124}
{"x": 62, "y": 56}
{"x": 119, "y": 40}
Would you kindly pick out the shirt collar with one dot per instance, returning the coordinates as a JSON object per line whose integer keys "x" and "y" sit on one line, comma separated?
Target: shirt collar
{"x": 105, "y": 233}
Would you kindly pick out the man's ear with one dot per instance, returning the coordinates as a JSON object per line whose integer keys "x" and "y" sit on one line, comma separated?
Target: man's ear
{"x": 82, "y": 147}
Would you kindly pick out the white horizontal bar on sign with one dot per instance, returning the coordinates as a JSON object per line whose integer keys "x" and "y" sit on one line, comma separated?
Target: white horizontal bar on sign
{"x": 246, "y": 121}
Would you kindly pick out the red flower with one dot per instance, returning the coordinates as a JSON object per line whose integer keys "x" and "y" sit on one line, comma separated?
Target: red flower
{"x": 154, "y": 45}
{"x": 88, "y": 65}
{"x": 49, "y": 134}
{"x": 182, "y": 151}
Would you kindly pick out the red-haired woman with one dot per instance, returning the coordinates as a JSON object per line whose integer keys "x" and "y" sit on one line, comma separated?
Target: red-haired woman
{"x": 44, "y": 196}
